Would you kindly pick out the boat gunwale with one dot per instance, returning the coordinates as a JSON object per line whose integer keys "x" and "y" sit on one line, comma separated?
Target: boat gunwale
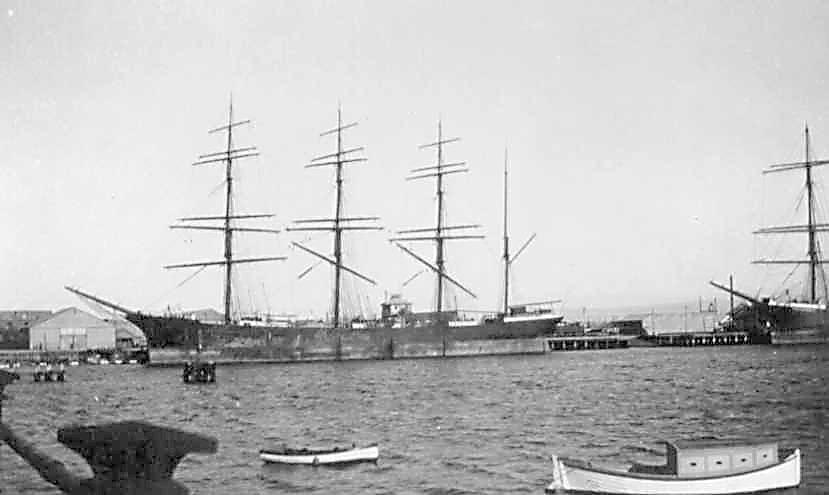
{"x": 791, "y": 456}
{"x": 315, "y": 452}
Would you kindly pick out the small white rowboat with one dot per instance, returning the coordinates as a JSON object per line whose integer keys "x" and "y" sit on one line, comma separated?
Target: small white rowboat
{"x": 317, "y": 457}
{"x": 694, "y": 468}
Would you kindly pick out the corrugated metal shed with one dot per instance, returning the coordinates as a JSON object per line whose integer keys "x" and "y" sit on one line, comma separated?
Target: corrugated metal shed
{"x": 73, "y": 329}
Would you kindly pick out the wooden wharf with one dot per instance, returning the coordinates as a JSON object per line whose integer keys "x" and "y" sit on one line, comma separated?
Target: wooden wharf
{"x": 693, "y": 339}
{"x": 589, "y": 342}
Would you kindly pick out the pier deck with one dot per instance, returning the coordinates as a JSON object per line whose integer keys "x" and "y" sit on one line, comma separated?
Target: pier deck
{"x": 589, "y": 342}
{"x": 692, "y": 339}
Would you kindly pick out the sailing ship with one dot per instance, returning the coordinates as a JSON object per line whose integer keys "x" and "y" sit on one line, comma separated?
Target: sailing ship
{"x": 787, "y": 319}
{"x": 282, "y": 341}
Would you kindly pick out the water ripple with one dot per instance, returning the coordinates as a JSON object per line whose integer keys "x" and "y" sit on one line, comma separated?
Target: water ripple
{"x": 455, "y": 426}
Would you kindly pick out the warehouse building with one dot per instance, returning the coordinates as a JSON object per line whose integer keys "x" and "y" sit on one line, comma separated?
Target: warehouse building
{"x": 74, "y": 330}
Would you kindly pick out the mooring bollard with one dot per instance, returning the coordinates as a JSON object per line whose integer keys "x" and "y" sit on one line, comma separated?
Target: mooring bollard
{"x": 130, "y": 457}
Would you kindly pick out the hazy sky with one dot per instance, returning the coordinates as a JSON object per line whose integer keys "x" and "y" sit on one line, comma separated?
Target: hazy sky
{"x": 637, "y": 132}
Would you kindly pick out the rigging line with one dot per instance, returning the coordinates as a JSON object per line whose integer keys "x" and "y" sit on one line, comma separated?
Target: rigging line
{"x": 354, "y": 297}
{"x": 218, "y": 188}
{"x": 778, "y": 243}
{"x": 800, "y": 197}
{"x": 187, "y": 279}
{"x": 309, "y": 238}
{"x": 237, "y": 303}
{"x": 267, "y": 300}
{"x": 821, "y": 271}
{"x": 783, "y": 283}
{"x": 819, "y": 206}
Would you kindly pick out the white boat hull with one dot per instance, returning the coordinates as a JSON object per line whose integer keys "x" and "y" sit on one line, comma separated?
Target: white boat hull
{"x": 573, "y": 478}
{"x": 365, "y": 454}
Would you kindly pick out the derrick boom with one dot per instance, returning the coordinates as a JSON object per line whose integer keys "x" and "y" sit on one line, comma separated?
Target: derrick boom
{"x": 98, "y": 300}
{"x": 739, "y": 294}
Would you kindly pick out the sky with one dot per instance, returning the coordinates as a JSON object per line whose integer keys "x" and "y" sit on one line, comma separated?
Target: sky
{"x": 636, "y": 134}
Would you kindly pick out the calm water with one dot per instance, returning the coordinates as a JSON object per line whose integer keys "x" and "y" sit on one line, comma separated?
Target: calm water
{"x": 475, "y": 425}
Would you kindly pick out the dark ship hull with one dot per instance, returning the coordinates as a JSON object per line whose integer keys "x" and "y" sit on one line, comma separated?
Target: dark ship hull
{"x": 172, "y": 331}
{"x": 782, "y": 324}
{"x": 797, "y": 326}
{"x": 173, "y": 338}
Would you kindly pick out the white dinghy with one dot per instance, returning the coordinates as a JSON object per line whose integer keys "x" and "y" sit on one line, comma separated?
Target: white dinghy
{"x": 316, "y": 457}
{"x": 692, "y": 468}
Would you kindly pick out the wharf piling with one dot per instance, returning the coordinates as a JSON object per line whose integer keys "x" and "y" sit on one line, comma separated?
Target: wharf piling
{"x": 49, "y": 374}
{"x": 699, "y": 339}
{"x": 589, "y": 342}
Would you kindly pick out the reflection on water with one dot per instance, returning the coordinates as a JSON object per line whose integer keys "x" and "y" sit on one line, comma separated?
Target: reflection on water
{"x": 473, "y": 425}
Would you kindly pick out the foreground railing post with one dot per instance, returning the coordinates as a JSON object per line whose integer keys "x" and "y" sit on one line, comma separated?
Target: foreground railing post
{"x": 6, "y": 378}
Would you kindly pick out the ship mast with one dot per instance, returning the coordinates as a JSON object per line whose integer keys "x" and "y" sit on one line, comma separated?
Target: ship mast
{"x": 811, "y": 227}
{"x": 508, "y": 261}
{"x": 438, "y": 171}
{"x": 229, "y": 156}
{"x": 228, "y": 205}
{"x": 812, "y": 248}
{"x": 337, "y": 224}
{"x": 506, "y": 241}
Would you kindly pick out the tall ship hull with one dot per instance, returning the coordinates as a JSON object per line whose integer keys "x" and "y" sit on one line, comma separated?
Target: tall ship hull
{"x": 801, "y": 327}
{"x": 399, "y": 335}
{"x": 186, "y": 333}
{"x": 172, "y": 340}
{"x": 770, "y": 323}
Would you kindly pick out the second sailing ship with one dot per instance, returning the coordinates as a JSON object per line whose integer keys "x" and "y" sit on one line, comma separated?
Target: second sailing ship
{"x": 788, "y": 319}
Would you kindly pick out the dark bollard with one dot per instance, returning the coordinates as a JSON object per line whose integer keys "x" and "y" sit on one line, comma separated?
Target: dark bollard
{"x": 199, "y": 372}
{"x": 187, "y": 373}
{"x": 130, "y": 458}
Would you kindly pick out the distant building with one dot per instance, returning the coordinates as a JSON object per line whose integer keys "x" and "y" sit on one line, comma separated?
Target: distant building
{"x": 621, "y": 327}
{"x": 73, "y": 329}
{"x": 16, "y": 320}
{"x": 678, "y": 322}
{"x": 15, "y": 325}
